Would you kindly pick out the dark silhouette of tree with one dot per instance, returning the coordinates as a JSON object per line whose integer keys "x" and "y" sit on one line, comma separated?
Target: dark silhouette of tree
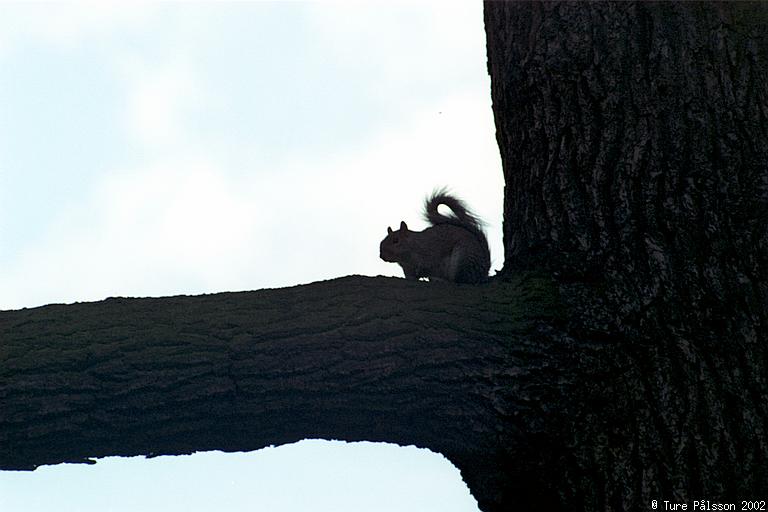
{"x": 634, "y": 139}
{"x": 620, "y": 356}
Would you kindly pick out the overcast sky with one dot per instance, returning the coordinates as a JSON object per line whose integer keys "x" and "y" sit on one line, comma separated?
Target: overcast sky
{"x": 185, "y": 148}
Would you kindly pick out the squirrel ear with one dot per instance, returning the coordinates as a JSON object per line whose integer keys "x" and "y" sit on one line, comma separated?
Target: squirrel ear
{"x": 403, "y": 225}
{"x": 389, "y": 230}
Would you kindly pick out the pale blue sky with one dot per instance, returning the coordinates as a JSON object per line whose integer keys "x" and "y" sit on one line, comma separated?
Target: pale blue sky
{"x": 183, "y": 148}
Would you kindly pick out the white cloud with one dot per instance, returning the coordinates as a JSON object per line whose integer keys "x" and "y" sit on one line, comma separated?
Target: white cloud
{"x": 158, "y": 230}
{"x": 405, "y": 43}
{"x": 66, "y": 24}
{"x": 160, "y": 101}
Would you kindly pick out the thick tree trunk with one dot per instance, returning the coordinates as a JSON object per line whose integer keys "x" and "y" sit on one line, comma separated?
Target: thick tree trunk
{"x": 633, "y": 138}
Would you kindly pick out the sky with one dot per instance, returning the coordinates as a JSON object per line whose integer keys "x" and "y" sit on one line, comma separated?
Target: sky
{"x": 153, "y": 149}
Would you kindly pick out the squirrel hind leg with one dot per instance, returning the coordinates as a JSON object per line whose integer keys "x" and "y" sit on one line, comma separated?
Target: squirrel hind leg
{"x": 466, "y": 267}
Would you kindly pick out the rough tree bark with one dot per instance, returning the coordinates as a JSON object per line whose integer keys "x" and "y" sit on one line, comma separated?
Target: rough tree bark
{"x": 355, "y": 358}
{"x": 620, "y": 358}
{"x": 634, "y": 139}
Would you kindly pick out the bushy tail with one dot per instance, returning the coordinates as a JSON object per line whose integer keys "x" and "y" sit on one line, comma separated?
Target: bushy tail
{"x": 469, "y": 263}
{"x": 462, "y": 216}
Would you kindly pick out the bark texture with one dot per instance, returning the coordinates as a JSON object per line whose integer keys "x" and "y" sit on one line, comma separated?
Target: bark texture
{"x": 633, "y": 139}
{"x": 462, "y": 370}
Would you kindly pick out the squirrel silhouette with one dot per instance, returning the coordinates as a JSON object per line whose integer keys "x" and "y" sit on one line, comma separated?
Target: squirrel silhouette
{"x": 453, "y": 248}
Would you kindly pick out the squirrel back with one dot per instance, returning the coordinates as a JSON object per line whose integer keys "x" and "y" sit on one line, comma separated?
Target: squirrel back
{"x": 453, "y": 248}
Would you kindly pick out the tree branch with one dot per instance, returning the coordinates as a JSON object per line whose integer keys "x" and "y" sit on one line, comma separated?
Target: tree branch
{"x": 462, "y": 370}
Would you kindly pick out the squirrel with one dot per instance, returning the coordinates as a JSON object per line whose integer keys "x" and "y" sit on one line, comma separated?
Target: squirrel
{"x": 453, "y": 248}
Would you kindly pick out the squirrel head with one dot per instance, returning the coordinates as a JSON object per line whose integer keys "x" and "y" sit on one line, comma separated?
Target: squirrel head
{"x": 395, "y": 244}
